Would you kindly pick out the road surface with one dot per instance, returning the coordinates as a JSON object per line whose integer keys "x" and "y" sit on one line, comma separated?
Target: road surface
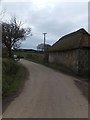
{"x": 47, "y": 94}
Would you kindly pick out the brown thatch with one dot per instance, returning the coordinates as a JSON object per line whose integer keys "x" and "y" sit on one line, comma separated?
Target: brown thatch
{"x": 77, "y": 39}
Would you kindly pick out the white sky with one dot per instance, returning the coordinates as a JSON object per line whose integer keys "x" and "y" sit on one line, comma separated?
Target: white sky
{"x": 55, "y": 17}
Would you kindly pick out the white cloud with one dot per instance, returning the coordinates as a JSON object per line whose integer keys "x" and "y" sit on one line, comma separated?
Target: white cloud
{"x": 44, "y": 1}
{"x": 52, "y": 16}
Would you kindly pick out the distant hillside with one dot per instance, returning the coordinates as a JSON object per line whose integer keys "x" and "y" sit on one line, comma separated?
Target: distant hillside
{"x": 29, "y": 50}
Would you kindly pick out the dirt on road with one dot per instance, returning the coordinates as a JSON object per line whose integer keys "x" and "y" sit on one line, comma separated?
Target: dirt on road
{"x": 47, "y": 94}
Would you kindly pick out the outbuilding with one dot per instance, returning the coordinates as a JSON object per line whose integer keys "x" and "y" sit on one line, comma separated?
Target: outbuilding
{"x": 72, "y": 51}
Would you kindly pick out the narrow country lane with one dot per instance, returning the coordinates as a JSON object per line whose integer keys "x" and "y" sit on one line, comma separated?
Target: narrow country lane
{"x": 47, "y": 94}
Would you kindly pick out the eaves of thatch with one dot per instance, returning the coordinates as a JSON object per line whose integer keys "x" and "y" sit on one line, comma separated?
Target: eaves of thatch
{"x": 75, "y": 40}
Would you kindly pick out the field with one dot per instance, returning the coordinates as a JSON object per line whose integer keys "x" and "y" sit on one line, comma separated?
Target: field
{"x": 37, "y": 57}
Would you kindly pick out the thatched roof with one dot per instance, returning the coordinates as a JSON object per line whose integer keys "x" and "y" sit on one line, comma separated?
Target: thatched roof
{"x": 77, "y": 39}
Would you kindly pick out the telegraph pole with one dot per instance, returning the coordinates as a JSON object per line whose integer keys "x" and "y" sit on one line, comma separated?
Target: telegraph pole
{"x": 44, "y": 40}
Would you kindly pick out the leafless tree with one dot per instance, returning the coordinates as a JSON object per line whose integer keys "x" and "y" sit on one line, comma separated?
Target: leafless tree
{"x": 13, "y": 34}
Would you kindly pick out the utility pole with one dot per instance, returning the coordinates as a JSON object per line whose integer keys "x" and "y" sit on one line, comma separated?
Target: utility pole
{"x": 44, "y": 39}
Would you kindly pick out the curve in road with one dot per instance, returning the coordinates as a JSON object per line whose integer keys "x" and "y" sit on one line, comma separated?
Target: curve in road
{"x": 47, "y": 94}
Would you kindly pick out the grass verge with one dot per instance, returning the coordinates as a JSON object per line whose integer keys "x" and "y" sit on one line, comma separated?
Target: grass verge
{"x": 13, "y": 74}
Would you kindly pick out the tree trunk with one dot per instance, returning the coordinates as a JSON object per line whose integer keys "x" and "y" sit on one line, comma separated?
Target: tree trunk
{"x": 9, "y": 52}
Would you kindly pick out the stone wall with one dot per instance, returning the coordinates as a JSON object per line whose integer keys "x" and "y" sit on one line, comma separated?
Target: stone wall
{"x": 83, "y": 61}
{"x": 77, "y": 59}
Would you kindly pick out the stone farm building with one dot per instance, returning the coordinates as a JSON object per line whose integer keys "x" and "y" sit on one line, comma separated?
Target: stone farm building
{"x": 72, "y": 51}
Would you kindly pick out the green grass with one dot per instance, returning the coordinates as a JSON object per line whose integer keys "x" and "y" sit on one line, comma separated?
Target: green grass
{"x": 35, "y": 57}
{"x": 13, "y": 74}
{"x": 21, "y": 53}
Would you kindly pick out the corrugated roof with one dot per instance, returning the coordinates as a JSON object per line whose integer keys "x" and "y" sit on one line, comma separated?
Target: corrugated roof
{"x": 73, "y": 40}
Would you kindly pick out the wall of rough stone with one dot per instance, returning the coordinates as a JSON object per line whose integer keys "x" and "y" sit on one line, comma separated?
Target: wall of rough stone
{"x": 77, "y": 59}
{"x": 83, "y": 61}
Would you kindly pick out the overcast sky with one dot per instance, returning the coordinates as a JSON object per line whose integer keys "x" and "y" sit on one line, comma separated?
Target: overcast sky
{"x": 54, "y": 17}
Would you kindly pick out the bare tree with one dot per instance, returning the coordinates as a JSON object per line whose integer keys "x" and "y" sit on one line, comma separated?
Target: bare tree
{"x": 13, "y": 34}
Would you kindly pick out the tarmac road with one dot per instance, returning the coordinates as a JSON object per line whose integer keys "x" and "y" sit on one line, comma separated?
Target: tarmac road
{"x": 47, "y": 94}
